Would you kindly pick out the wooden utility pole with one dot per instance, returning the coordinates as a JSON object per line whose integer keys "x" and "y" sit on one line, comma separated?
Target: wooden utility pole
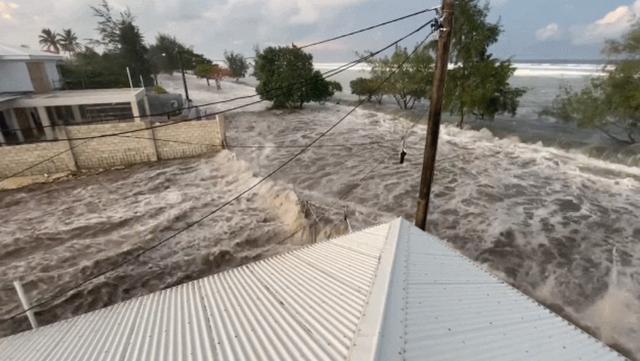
{"x": 435, "y": 113}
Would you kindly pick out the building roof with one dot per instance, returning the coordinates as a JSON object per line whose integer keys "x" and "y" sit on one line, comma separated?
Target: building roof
{"x": 76, "y": 97}
{"x": 391, "y": 292}
{"x": 8, "y": 52}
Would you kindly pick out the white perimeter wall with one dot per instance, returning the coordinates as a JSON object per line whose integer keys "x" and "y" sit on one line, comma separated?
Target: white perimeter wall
{"x": 14, "y": 77}
{"x": 186, "y": 139}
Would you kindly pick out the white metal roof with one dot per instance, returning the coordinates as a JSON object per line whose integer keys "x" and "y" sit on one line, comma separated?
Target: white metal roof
{"x": 390, "y": 292}
{"x": 77, "y": 97}
{"x": 8, "y": 52}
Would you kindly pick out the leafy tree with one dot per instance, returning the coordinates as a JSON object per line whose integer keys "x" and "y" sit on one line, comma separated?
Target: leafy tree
{"x": 237, "y": 64}
{"x": 124, "y": 47}
{"x": 411, "y": 81}
{"x": 166, "y": 52}
{"x": 334, "y": 86}
{"x": 479, "y": 84}
{"x": 212, "y": 71}
{"x": 218, "y": 73}
{"x": 610, "y": 104}
{"x": 109, "y": 26}
{"x": 204, "y": 71}
{"x": 134, "y": 52}
{"x": 68, "y": 41}
{"x": 90, "y": 70}
{"x": 286, "y": 77}
{"x": 48, "y": 39}
{"x": 367, "y": 88}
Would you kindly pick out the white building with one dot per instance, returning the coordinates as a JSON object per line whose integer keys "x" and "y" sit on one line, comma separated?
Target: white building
{"x": 388, "y": 293}
{"x": 31, "y": 104}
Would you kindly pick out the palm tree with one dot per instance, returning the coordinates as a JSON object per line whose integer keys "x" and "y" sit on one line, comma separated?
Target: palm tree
{"x": 49, "y": 40}
{"x": 68, "y": 41}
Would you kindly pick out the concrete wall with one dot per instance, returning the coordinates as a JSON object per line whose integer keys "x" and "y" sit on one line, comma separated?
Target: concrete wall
{"x": 16, "y": 158}
{"x": 143, "y": 145}
{"x": 15, "y": 77}
{"x": 109, "y": 152}
{"x": 187, "y": 139}
{"x": 53, "y": 73}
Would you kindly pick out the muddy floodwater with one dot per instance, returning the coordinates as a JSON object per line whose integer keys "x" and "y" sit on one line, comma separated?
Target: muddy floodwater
{"x": 560, "y": 226}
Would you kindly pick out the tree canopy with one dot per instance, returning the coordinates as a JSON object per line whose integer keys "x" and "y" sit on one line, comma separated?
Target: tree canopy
{"x": 479, "y": 83}
{"x": 48, "y": 39}
{"x": 610, "y": 104}
{"x": 237, "y": 64}
{"x": 287, "y": 78}
{"x": 367, "y": 88}
{"x": 68, "y": 41}
{"x": 212, "y": 71}
{"x": 123, "y": 45}
{"x": 409, "y": 83}
{"x": 166, "y": 52}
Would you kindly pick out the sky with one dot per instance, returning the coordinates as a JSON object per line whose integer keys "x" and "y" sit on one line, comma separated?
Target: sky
{"x": 540, "y": 29}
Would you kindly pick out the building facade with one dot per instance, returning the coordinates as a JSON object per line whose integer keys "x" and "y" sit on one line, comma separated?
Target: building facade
{"x": 32, "y": 104}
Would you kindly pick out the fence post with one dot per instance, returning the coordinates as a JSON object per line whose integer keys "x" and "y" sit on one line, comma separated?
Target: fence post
{"x": 62, "y": 134}
{"x": 152, "y": 134}
{"x": 25, "y": 304}
{"x": 222, "y": 130}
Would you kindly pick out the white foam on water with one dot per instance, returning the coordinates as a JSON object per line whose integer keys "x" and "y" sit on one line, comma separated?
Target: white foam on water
{"x": 57, "y": 235}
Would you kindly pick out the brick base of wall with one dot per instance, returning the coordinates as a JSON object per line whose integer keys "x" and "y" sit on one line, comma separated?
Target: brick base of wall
{"x": 144, "y": 144}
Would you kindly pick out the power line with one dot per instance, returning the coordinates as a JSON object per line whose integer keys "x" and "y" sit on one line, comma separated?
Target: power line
{"x": 327, "y": 74}
{"x": 230, "y": 201}
{"x": 168, "y": 113}
{"x": 338, "y": 71}
{"x": 369, "y": 28}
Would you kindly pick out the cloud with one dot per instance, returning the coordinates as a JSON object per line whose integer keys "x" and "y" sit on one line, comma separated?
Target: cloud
{"x": 7, "y": 9}
{"x": 498, "y": 3}
{"x": 614, "y": 24}
{"x": 549, "y": 32}
{"x": 210, "y": 26}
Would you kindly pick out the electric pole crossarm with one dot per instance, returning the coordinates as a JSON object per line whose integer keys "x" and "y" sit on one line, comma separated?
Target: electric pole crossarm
{"x": 435, "y": 113}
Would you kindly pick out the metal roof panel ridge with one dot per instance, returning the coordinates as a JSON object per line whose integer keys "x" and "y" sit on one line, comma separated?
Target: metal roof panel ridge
{"x": 430, "y": 302}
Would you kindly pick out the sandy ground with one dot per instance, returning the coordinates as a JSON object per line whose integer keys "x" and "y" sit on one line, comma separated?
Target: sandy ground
{"x": 560, "y": 226}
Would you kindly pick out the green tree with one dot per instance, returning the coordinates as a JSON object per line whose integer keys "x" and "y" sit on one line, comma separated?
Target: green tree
{"x": 109, "y": 26}
{"x": 134, "y": 52}
{"x": 90, "y": 70}
{"x": 479, "y": 83}
{"x": 410, "y": 82}
{"x": 237, "y": 64}
{"x": 48, "y": 39}
{"x": 367, "y": 88}
{"x": 69, "y": 41}
{"x": 334, "y": 86}
{"x": 165, "y": 53}
{"x": 610, "y": 104}
{"x": 204, "y": 71}
{"x": 124, "y": 47}
{"x": 286, "y": 77}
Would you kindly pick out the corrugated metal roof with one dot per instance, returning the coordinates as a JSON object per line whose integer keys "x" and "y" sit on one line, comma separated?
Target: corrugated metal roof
{"x": 390, "y": 292}
{"x": 442, "y": 306}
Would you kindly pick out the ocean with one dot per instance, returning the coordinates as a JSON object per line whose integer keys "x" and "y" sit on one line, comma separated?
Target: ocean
{"x": 543, "y": 81}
